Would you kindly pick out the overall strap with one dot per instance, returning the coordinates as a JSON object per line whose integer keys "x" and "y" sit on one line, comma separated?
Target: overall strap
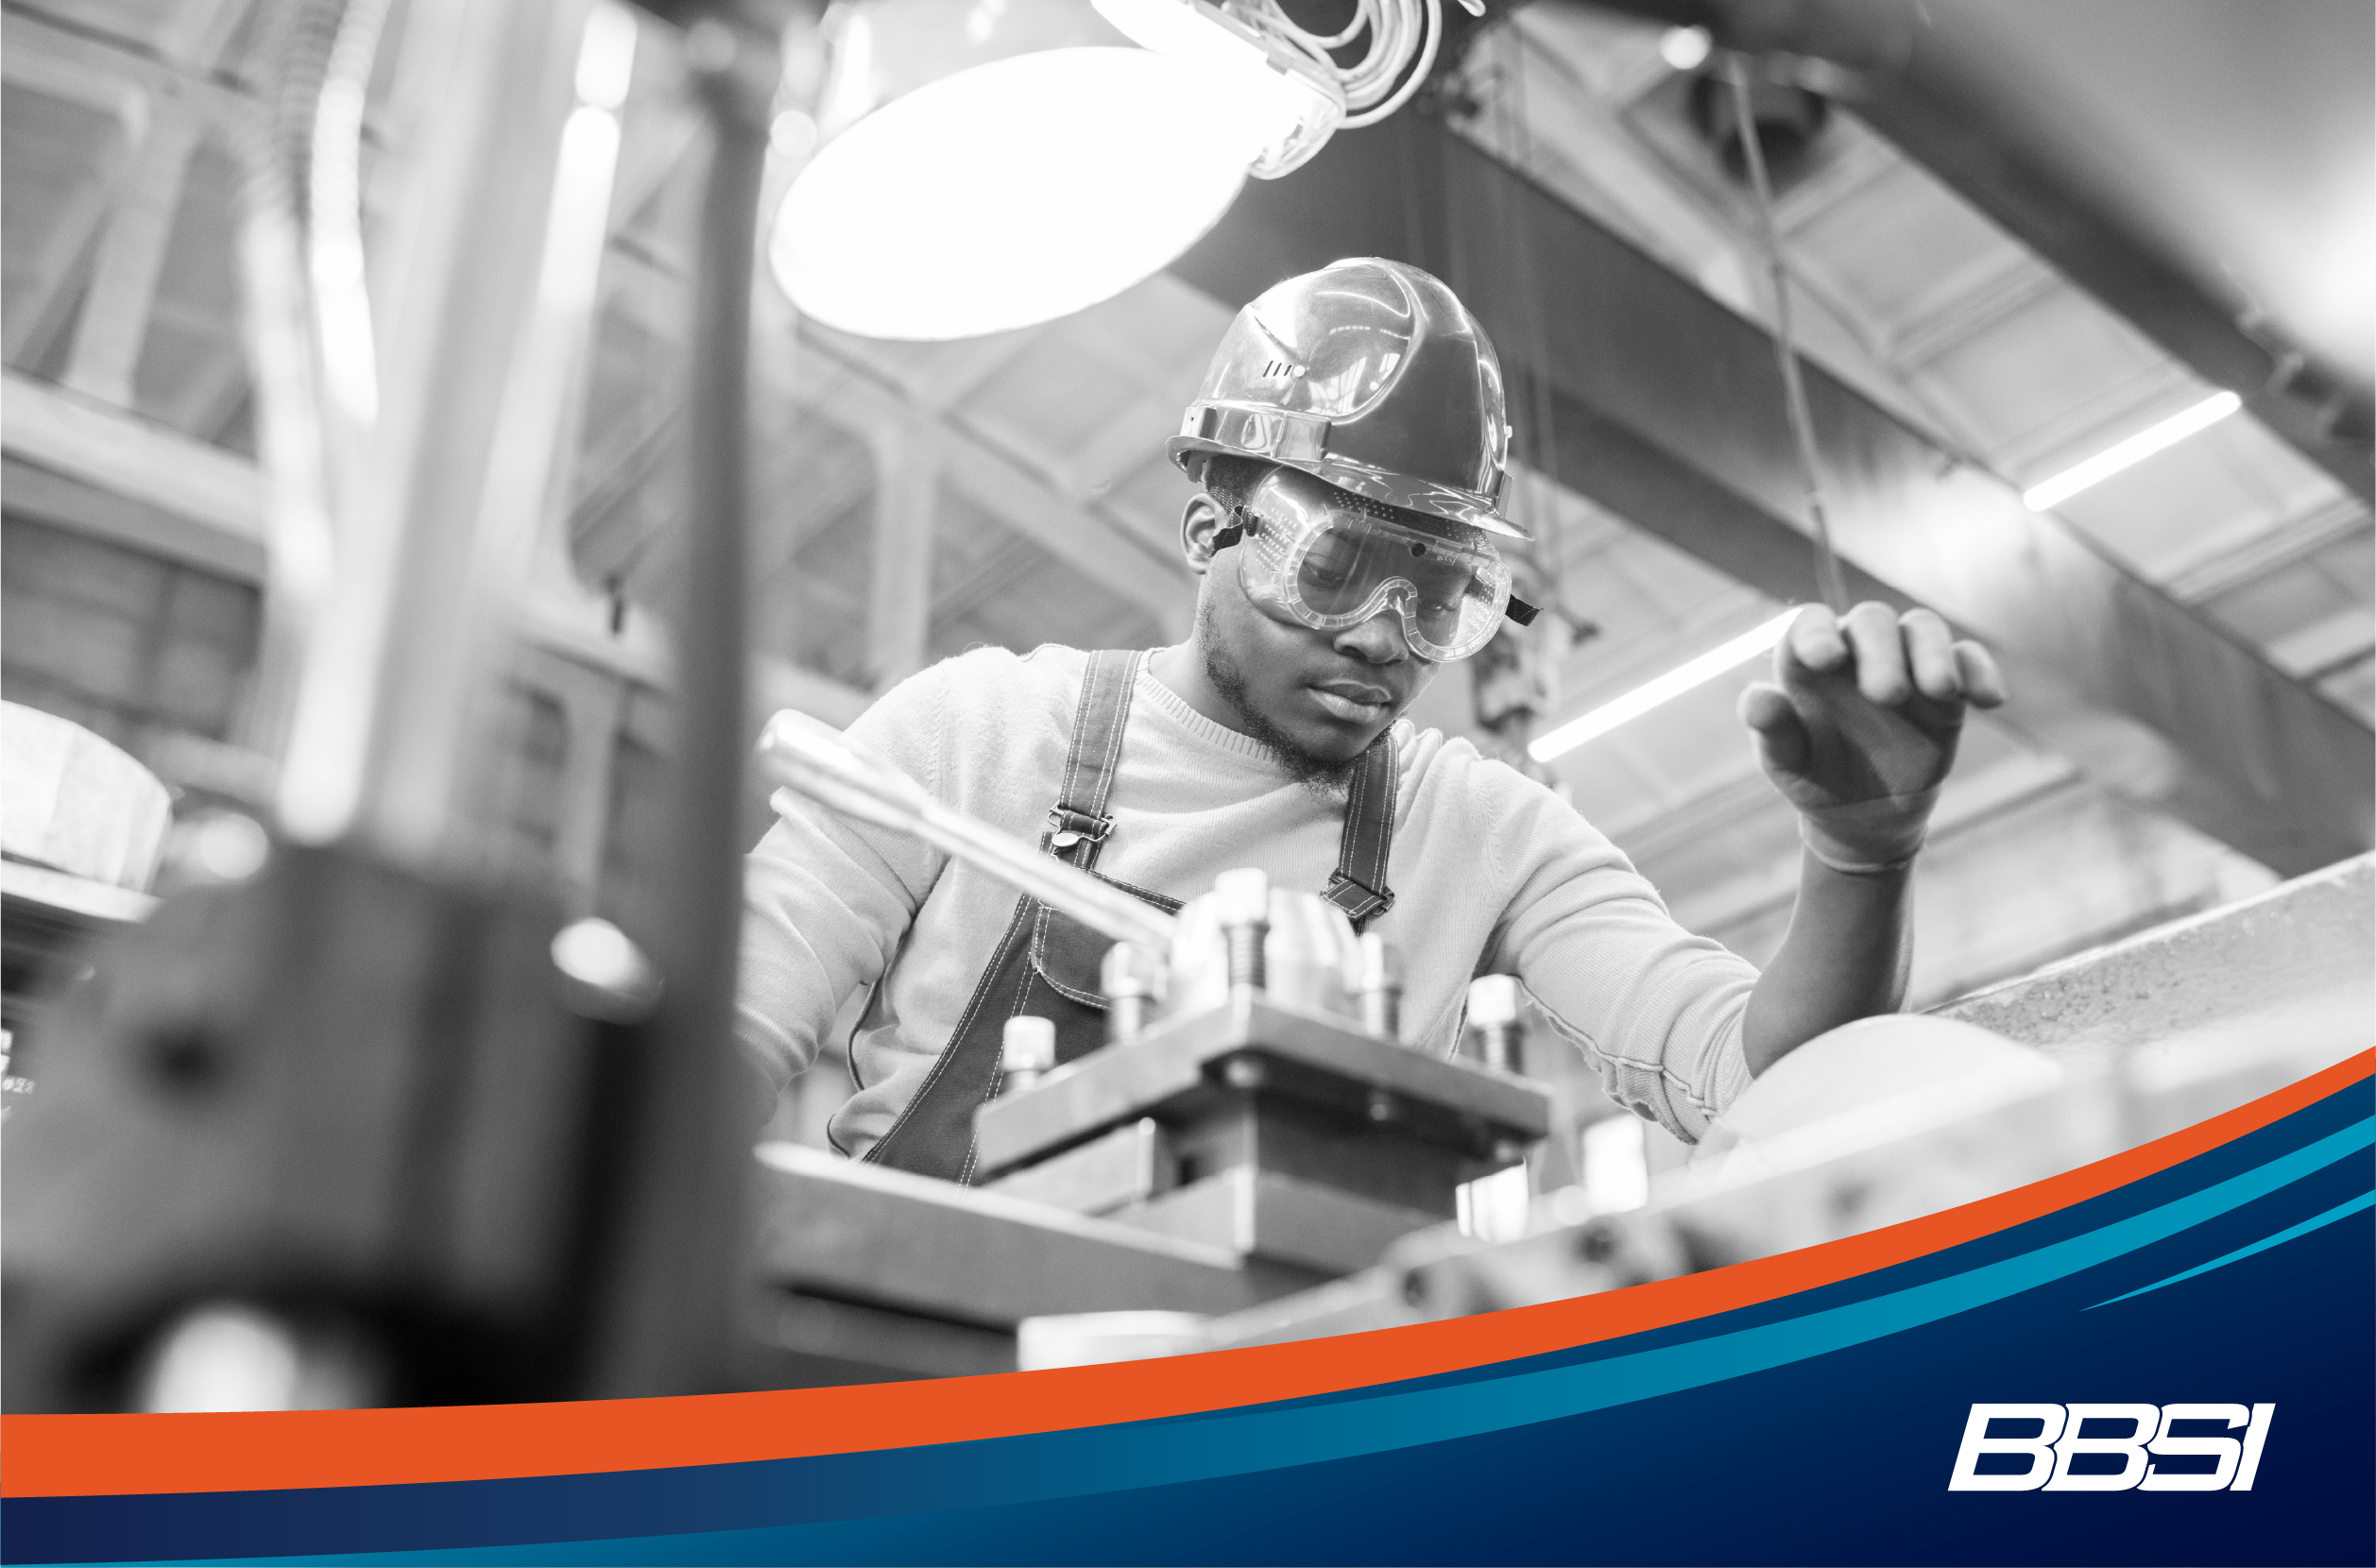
{"x": 1077, "y": 825}
{"x": 1359, "y": 887}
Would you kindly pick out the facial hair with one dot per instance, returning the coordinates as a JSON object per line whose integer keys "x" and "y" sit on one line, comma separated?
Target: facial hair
{"x": 1320, "y": 775}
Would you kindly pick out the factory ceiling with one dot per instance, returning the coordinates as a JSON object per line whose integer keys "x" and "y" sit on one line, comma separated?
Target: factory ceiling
{"x": 2237, "y": 136}
{"x": 918, "y": 499}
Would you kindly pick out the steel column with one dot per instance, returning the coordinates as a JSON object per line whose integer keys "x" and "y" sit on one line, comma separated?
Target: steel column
{"x": 1668, "y": 408}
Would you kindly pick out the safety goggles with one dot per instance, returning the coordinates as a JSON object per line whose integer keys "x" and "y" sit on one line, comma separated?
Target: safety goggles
{"x": 1333, "y": 566}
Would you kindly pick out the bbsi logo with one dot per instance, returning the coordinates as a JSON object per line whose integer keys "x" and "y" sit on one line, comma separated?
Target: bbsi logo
{"x": 2110, "y": 1448}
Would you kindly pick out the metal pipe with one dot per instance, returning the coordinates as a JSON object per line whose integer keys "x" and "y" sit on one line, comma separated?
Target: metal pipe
{"x": 675, "y": 1241}
{"x": 396, "y": 678}
{"x": 816, "y": 760}
{"x": 293, "y": 438}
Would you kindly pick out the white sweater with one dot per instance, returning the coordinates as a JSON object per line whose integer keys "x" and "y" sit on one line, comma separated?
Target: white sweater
{"x": 1491, "y": 872}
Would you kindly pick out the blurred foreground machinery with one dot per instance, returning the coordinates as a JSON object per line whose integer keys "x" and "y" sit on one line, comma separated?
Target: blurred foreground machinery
{"x": 365, "y": 1121}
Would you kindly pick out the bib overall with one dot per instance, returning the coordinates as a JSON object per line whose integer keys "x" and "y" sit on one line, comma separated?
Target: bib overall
{"x": 1047, "y": 963}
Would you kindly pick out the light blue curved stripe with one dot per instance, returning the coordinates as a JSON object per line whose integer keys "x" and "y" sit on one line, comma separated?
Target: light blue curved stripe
{"x": 1115, "y": 1459}
{"x": 2366, "y": 1200}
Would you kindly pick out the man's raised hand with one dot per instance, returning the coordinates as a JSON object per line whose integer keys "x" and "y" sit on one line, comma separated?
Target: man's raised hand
{"x": 1859, "y": 727}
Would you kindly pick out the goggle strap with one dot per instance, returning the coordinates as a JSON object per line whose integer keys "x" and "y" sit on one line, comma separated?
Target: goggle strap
{"x": 1520, "y": 611}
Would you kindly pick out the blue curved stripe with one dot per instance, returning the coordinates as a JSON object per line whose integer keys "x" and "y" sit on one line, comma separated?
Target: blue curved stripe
{"x": 1222, "y": 1444}
{"x": 2341, "y": 1211}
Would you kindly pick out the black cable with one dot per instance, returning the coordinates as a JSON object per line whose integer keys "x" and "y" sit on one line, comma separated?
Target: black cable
{"x": 1828, "y": 577}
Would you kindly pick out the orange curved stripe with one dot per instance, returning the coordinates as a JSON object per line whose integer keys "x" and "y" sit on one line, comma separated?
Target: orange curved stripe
{"x": 50, "y": 1455}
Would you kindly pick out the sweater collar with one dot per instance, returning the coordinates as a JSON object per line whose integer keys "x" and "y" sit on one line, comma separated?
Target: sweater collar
{"x": 1200, "y": 729}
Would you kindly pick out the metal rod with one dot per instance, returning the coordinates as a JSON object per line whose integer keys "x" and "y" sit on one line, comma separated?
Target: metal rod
{"x": 811, "y": 758}
{"x": 674, "y": 1243}
{"x": 1827, "y": 573}
{"x": 397, "y": 682}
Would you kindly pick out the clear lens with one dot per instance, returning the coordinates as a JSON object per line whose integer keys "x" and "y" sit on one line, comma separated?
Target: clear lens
{"x": 1331, "y": 570}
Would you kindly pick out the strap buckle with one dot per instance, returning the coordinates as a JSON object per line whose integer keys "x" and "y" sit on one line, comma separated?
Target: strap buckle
{"x": 1067, "y": 827}
{"x": 1361, "y": 902}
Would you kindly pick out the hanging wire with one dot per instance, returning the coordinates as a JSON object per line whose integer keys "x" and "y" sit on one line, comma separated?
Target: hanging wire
{"x": 1403, "y": 35}
{"x": 1542, "y": 440}
{"x": 1828, "y": 576}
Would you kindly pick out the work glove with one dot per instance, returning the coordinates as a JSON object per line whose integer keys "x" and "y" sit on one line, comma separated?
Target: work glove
{"x": 1859, "y": 728}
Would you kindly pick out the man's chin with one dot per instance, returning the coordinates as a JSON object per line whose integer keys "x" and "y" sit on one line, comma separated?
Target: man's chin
{"x": 1334, "y": 745}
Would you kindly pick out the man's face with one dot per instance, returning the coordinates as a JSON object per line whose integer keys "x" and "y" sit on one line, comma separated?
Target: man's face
{"x": 1322, "y": 696}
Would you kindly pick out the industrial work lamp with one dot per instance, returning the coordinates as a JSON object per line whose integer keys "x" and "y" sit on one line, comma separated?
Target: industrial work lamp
{"x": 991, "y": 164}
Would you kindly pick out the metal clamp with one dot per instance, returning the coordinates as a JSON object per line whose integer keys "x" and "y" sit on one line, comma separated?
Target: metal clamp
{"x": 1067, "y": 827}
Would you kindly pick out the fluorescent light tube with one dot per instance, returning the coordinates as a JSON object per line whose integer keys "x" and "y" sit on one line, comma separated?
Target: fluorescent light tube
{"x": 1674, "y": 683}
{"x": 2128, "y": 453}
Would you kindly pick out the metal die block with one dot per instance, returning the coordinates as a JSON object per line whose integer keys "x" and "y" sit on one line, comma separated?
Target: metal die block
{"x": 1184, "y": 1070}
{"x": 1129, "y": 1165}
{"x": 1260, "y": 1214}
{"x": 800, "y": 1340}
{"x": 1289, "y": 1137}
{"x": 843, "y": 1231}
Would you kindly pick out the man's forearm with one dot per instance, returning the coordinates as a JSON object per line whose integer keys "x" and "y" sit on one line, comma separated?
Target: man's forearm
{"x": 1845, "y": 957}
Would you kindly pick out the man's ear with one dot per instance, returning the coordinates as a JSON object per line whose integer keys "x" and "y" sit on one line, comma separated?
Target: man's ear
{"x": 1200, "y": 519}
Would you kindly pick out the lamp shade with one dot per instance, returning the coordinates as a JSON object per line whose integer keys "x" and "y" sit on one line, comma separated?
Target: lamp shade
{"x": 990, "y": 168}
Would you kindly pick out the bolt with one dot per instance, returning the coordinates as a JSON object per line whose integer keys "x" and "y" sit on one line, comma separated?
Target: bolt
{"x": 1128, "y": 980}
{"x": 1244, "y": 899}
{"x": 1027, "y": 1048}
{"x": 1377, "y": 985}
{"x": 1244, "y": 1072}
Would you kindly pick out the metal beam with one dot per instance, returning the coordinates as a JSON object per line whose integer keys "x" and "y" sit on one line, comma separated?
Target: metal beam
{"x": 1031, "y": 503}
{"x": 169, "y": 472}
{"x": 900, "y": 596}
{"x": 1950, "y": 98}
{"x": 50, "y": 53}
{"x": 817, "y": 377}
{"x": 202, "y": 506}
{"x": 113, "y": 323}
{"x": 1668, "y": 408}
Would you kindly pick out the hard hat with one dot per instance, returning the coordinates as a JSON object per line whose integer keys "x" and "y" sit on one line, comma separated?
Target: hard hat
{"x": 1371, "y": 375}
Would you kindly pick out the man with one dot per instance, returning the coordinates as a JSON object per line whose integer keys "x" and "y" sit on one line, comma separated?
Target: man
{"x": 1349, "y": 446}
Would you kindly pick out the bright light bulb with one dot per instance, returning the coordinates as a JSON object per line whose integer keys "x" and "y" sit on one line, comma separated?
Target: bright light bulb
{"x": 1685, "y": 48}
{"x": 1014, "y": 193}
